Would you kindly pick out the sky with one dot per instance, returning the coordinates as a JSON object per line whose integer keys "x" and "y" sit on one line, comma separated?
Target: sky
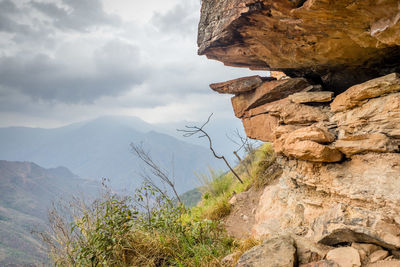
{"x": 64, "y": 61}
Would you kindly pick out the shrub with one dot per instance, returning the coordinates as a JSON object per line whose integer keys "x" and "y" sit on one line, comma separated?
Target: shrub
{"x": 138, "y": 231}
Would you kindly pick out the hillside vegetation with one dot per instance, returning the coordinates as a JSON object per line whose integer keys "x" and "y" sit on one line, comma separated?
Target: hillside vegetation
{"x": 26, "y": 192}
{"x": 149, "y": 228}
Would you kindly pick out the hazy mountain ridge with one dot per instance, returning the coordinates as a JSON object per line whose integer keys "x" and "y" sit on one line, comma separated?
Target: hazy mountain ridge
{"x": 101, "y": 148}
{"x": 26, "y": 192}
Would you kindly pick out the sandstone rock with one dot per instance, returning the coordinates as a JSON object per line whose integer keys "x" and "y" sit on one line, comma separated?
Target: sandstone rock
{"x": 311, "y": 133}
{"x": 342, "y": 202}
{"x": 344, "y": 256}
{"x": 266, "y": 93}
{"x": 276, "y": 252}
{"x": 385, "y": 263}
{"x": 291, "y": 113}
{"x": 311, "y": 97}
{"x": 357, "y": 94}
{"x": 378, "y": 115}
{"x": 278, "y": 74}
{"x": 309, "y": 251}
{"x": 378, "y": 255}
{"x": 301, "y": 39}
{"x": 311, "y": 151}
{"x": 261, "y": 127}
{"x": 323, "y": 263}
{"x": 305, "y": 144}
{"x": 238, "y": 86}
{"x": 356, "y": 144}
{"x": 366, "y": 249}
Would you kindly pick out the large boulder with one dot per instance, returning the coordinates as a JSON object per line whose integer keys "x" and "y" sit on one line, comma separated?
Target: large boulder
{"x": 275, "y": 252}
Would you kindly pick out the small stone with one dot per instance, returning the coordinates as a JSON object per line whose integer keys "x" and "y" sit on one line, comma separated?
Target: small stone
{"x": 311, "y": 97}
{"x": 237, "y": 86}
{"x": 323, "y": 263}
{"x": 378, "y": 255}
{"x": 345, "y": 256}
{"x": 245, "y": 218}
{"x": 229, "y": 259}
{"x": 385, "y": 263}
{"x": 233, "y": 200}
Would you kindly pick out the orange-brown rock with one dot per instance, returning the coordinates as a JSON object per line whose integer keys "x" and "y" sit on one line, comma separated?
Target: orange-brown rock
{"x": 358, "y": 94}
{"x": 376, "y": 142}
{"x": 261, "y": 127}
{"x": 266, "y": 93}
{"x": 291, "y": 113}
{"x": 301, "y": 38}
{"x": 311, "y": 133}
{"x": 335, "y": 203}
{"x": 238, "y": 86}
{"x": 344, "y": 256}
{"x": 311, "y": 97}
{"x": 323, "y": 263}
{"x": 378, "y": 115}
{"x": 385, "y": 263}
{"x": 311, "y": 151}
{"x": 378, "y": 255}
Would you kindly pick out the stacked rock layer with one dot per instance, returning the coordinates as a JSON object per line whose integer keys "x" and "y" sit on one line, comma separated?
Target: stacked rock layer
{"x": 333, "y": 115}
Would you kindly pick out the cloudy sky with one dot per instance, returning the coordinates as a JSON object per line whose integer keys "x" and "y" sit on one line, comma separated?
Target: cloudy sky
{"x": 64, "y": 61}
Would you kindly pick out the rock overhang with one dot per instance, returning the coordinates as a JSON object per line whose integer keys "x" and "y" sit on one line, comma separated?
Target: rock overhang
{"x": 334, "y": 43}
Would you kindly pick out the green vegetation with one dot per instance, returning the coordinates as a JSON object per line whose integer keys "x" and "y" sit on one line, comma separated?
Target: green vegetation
{"x": 150, "y": 228}
{"x": 218, "y": 188}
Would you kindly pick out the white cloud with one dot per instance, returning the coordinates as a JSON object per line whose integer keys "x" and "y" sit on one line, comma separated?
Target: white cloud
{"x": 114, "y": 57}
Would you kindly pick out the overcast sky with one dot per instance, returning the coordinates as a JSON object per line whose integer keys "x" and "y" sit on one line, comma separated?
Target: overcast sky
{"x": 64, "y": 61}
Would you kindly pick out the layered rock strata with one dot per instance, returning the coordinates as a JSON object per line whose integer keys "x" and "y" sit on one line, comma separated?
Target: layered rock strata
{"x": 332, "y": 111}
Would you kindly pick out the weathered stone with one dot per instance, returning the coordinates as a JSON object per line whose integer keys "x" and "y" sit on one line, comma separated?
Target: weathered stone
{"x": 278, "y": 74}
{"x": 357, "y": 94}
{"x": 343, "y": 202}
{"x": 378, "y": 115}
{"x": 345, "y": 256}
{"x": 378, "y": 255}
{"x": 229, "y": 260}
{"x": 385, "y": 263}
{"x": 311, "y": 151}
{"x": 291, "y": 113}
{"x": 261, "y": 127}
{"x": 238, "y": 86}
{"x": 323, "y": 263}
{"x": 305, "y": 143}
{"x": 309, "y": 251}
{"x": 366, "y": 248}
{"x": 311, "y": 97}
{"x": 311, "y": 133}
{"x": 300, "y": 38}
{"x": 357, "y": 144}
{"x": 276, "y": 252}
{"x": 266, "y": 93}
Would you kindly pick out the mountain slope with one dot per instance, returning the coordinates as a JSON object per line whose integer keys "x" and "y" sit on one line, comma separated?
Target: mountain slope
{"x": 101, "y": 148}
{"x": 26, "y": 192}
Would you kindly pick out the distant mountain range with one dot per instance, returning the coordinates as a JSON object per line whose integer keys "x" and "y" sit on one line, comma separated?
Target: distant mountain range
{"x": 101, "y": 148}
{"x": 26, "y": 192}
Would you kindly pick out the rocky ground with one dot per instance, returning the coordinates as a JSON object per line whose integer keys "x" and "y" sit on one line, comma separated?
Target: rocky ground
{"x": 332, "y": 111}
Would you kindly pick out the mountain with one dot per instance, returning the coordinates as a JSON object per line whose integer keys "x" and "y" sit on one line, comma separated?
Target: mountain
{"x": 101, "y": 148}
{"x": 26, "y": 192}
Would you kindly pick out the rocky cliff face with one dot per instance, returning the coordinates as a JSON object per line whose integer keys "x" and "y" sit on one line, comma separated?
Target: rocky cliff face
{"x": 333, "y": 114}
